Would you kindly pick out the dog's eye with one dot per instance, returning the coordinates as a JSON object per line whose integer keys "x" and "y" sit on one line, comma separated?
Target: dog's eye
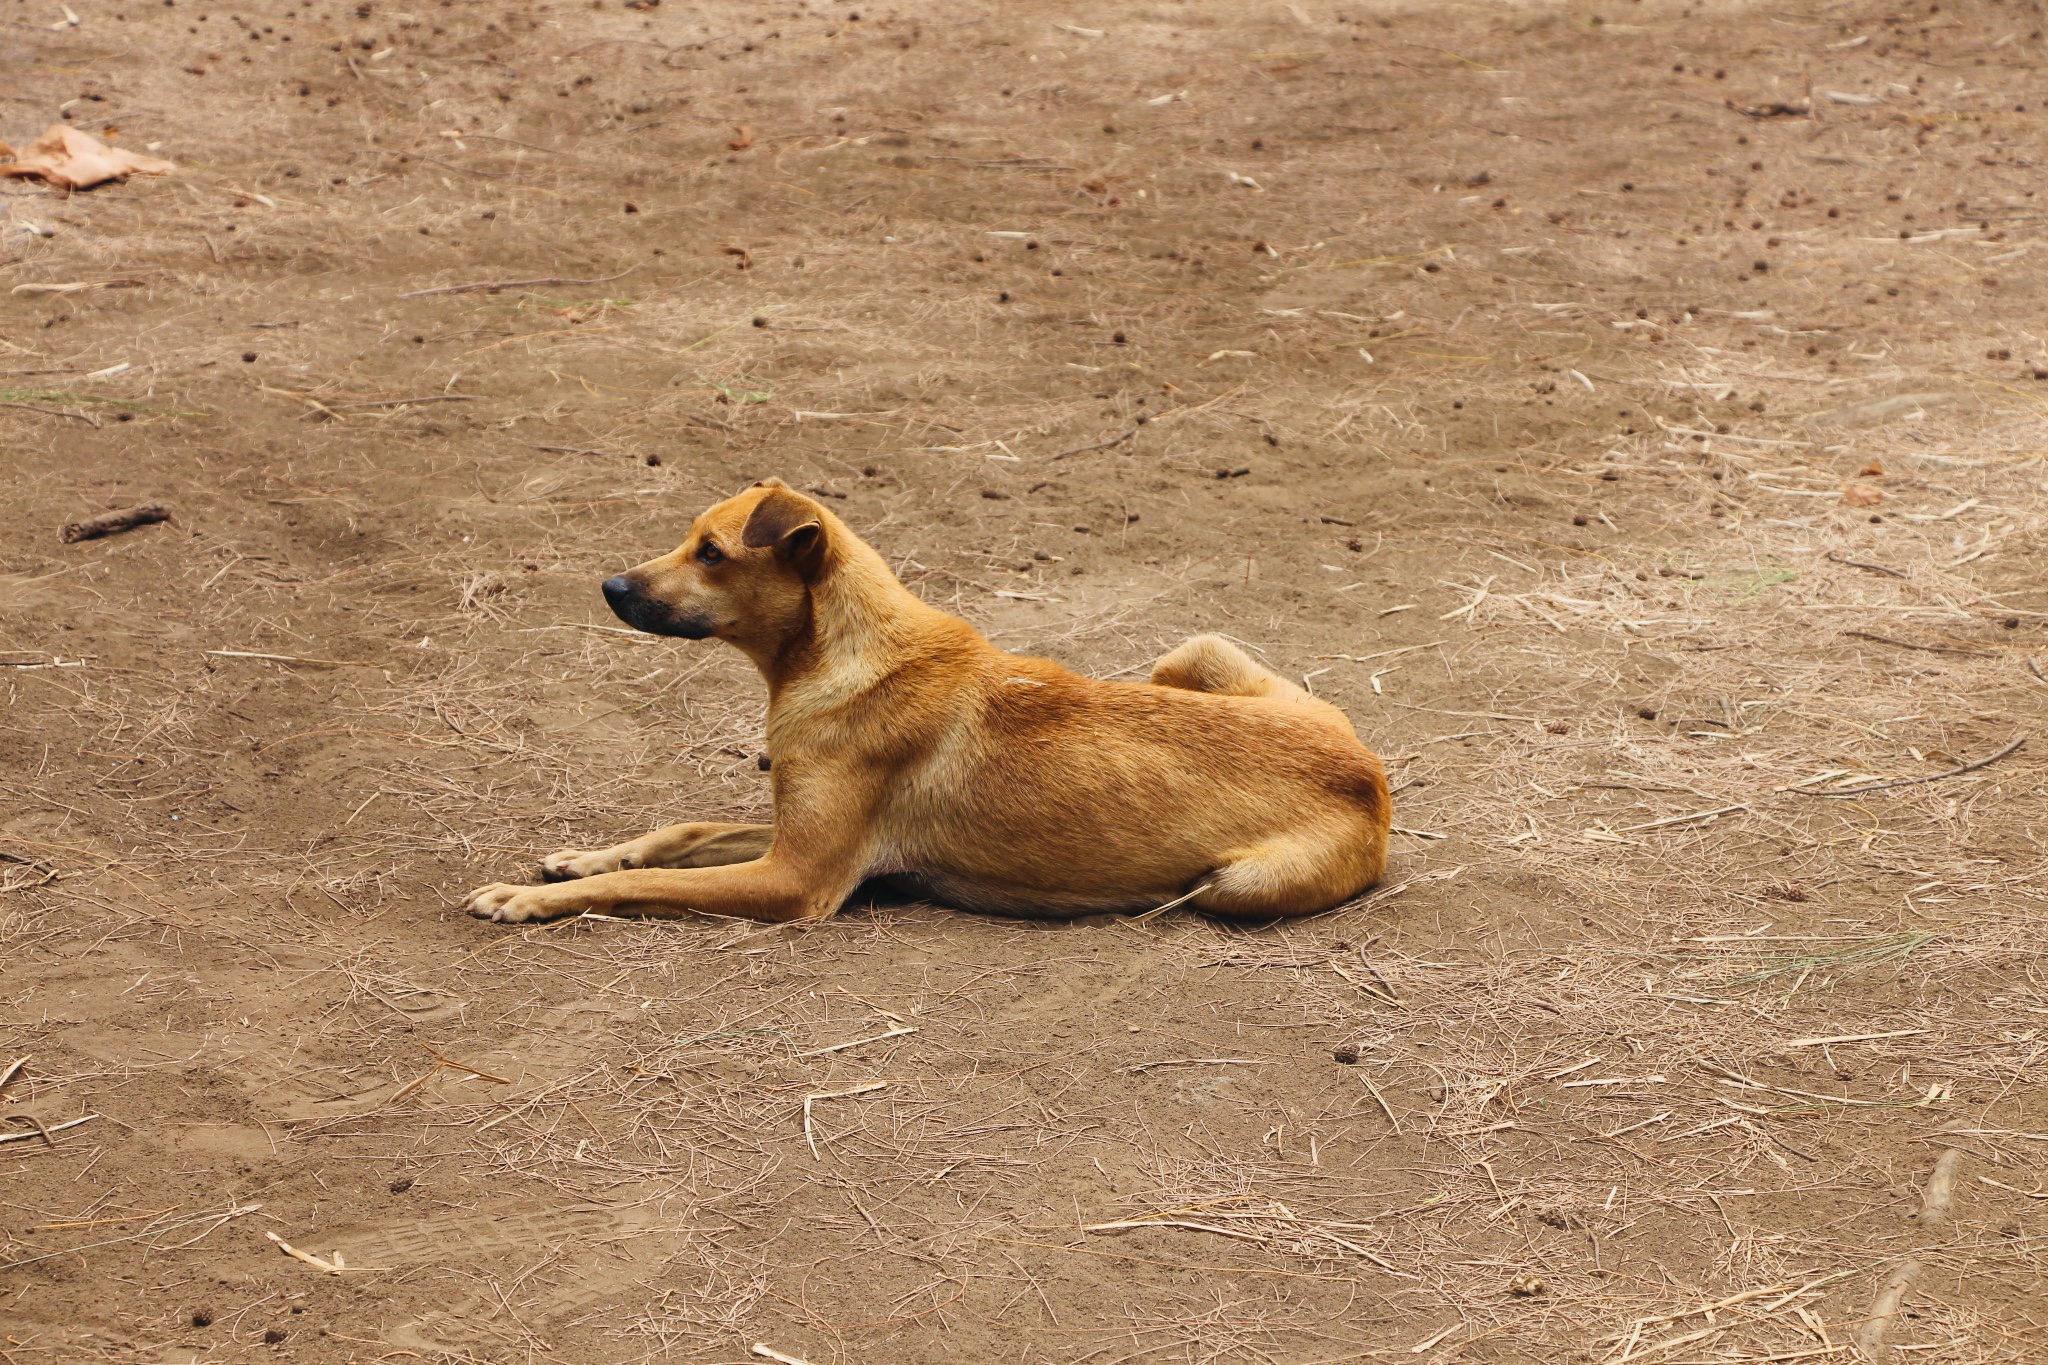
{"x": 708, "y": 553}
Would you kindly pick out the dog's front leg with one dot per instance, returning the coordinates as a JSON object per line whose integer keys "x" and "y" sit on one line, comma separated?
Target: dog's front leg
{"x": 768, "y": 888}
{"x": 701, "y": 843}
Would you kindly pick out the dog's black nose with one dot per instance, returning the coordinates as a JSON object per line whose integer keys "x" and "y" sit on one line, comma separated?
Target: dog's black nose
{"x": 618, "y": 592}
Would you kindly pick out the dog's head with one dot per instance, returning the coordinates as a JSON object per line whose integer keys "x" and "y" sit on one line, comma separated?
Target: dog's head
{"x": 743, "y": 574}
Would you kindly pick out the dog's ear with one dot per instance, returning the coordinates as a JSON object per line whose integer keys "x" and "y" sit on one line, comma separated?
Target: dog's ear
{"x": 790, "y": 523}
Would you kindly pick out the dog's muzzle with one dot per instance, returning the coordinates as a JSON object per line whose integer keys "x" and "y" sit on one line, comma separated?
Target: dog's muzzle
{"x": 627, "y": 602}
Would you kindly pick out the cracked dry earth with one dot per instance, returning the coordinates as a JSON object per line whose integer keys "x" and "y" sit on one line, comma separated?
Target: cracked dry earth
{"x": 1631, "y": 411}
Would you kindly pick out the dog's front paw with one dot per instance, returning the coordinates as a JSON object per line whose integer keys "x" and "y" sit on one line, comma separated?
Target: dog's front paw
{"x": 507, "y": 904}
{"x": 571, "y": 863}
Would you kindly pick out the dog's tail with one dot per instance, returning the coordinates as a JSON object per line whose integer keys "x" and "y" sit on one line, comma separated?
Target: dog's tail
{"x": 1210, "y": 663}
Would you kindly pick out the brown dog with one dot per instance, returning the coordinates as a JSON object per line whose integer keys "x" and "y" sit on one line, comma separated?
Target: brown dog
{"x": 904, "y": 745}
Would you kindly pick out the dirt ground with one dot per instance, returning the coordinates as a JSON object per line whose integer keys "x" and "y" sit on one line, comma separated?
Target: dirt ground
{"x": 1634, "y": 412}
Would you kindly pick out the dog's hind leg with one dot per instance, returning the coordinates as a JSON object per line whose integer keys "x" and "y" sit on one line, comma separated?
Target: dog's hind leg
{"x": 701, "y": 843}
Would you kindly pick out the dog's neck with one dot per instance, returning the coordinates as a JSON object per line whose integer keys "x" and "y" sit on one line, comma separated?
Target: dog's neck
{"x": 862, "y": 626}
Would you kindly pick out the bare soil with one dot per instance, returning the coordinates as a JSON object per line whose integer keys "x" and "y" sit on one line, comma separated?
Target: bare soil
{"x": 1632, "y": 412}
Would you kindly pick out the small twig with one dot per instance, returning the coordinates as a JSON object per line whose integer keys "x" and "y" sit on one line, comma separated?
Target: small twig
{"x": 580, "y": 450}
{"x": 14, "y": 1067}
{"x": 767, "y": 1352}
{"x": 1681, "y": 819}
{"x": 415, "y": 1083}
{"x": 1769, "y": 1136}
{"x": 333, "y": 1267}
{"x": 1099, "y": 445}
{"x": 1385, "y": 1108}
{"x": 1172, "y": 414}
{"x": 1386, "y": 986}
{"x": 84, "y": 417}
{"x": 1680, "y": 1340}
{"x": 1370, "y": 990}
{"x": 493, "y": 286}
{"x": 108, "y": 523}
{"x": 2030, "y": 1194}
{"x": 809, "y": 1137}
{"x": 1132, "y": 1224}
{"x": 1925, "y": 649}
{"x": 135, "y": 1218}
{"x": 1858, "y": 564}
{"x": 307, "y": 399}
{"x": 464, "y": 1066}
{"x": 841, "y": 1047}
{"x": 275, "y": 658}
{"x": 216, "y": 1216}
{"x": 35, "y": 1122}
{"x": 1644, "y": 1123}
{"x": 402, "y": 402}
{"x": 43, "y": 1131}
{"x": 1984, "y": 762}
{"x": 1850, "y": 1038}
{"x": 215, "y": 1226}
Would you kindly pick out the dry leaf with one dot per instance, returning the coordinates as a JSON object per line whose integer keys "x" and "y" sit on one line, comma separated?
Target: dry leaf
{"x": 71, "y": 160}
{"x": 1861, "y": 495}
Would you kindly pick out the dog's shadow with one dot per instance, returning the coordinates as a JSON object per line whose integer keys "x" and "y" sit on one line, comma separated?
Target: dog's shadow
{"x": 881, "y": 897}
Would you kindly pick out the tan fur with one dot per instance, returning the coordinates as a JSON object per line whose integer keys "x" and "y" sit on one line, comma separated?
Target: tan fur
{"x": 902, "y": 744}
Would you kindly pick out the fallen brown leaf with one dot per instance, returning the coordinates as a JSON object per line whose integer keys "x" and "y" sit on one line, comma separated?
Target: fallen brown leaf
{"x": 72, "y": 160}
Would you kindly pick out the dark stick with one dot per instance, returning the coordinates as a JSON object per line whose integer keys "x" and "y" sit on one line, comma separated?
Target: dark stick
{"x": 465, "y": 170}
{"x": 1858, "y": 564}
{"x": 1925, "y": 649}
{"x": 1099, "y": 445}
{"x": 495, "y": 285}
{"x": 401, "y": 402}
{"x": 581, "y": 450}
{"x": 48, "y": 1141}
{"x": 84, "y": 417}
{"x": 1931, "y": 777}
{"x": 109, "y": 523}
